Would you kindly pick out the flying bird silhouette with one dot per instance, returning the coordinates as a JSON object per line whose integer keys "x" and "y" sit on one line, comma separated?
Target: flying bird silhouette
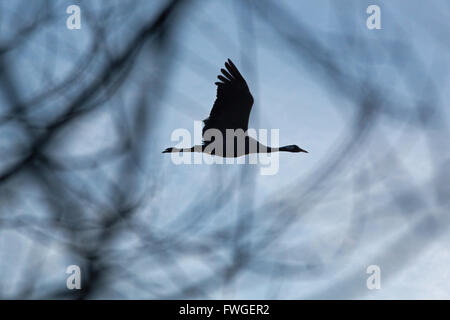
{"x": 231, "y": 110}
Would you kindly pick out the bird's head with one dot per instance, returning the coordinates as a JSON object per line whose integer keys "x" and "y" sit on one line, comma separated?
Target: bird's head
{"x": 292, "y": 148}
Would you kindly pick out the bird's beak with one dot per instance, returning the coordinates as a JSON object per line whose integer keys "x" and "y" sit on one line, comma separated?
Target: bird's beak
{"x": 301, "y": 150}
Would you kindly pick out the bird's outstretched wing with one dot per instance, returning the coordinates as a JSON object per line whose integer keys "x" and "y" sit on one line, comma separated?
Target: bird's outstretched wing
{"x": 233, "y": 104}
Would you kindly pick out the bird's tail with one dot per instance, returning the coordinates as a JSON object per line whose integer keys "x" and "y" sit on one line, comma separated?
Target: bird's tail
{"x": 197, "y": 148}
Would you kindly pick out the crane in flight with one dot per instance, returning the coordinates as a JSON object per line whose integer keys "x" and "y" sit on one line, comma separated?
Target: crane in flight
{"x": 230, "y": 113}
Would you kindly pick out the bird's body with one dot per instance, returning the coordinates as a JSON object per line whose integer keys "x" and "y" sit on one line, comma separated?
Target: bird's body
{"x": 225, "y": 130}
